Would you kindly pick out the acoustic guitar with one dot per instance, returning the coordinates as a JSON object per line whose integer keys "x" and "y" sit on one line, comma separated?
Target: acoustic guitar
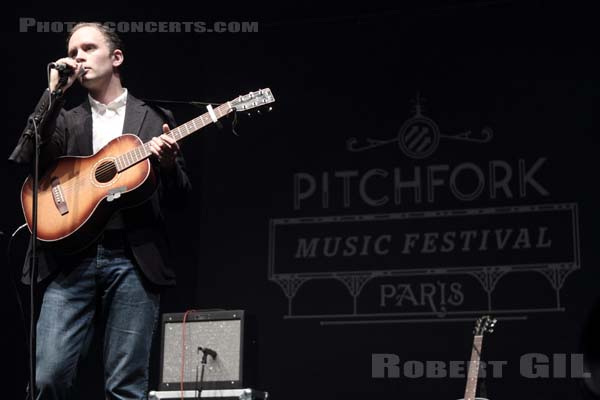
{"x": 78, "y": 195}
{"x": 484, "y": 324}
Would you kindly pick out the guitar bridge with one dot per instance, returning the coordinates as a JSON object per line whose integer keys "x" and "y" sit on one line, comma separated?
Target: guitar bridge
{"x": 59, "y": 196}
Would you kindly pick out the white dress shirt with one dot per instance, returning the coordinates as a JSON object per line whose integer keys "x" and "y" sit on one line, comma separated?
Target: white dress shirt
{"x": 107, "y": 119}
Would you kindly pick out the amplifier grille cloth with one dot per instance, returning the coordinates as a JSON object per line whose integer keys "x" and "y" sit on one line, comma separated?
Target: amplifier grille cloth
{"x": 221, "y": 336}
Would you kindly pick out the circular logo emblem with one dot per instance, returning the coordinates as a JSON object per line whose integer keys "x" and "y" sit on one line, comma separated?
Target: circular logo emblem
{"x": 419, "y": 137}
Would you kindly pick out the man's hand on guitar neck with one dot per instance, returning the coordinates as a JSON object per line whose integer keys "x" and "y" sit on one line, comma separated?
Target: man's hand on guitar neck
{"x": 165, "y": 148}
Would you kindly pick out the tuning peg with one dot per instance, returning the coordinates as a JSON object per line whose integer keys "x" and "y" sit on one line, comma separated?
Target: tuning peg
{"x": 270, "y": 109}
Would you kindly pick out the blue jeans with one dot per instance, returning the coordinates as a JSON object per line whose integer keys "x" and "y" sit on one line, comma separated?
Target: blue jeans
{"x": 129, "y": 313}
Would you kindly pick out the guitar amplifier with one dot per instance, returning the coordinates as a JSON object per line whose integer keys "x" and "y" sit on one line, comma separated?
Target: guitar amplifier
{"x": 230, "y": 334}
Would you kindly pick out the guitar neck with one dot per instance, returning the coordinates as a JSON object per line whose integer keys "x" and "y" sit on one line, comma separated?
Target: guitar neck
{"x": 142, "y": 152}
{"x": 473, "y": 368}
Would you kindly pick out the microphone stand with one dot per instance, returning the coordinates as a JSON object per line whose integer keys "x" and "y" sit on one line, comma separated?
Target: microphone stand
{"x": 33, "y": 265}
{"x": 198, "y": 388}
{"x": 34, "y": 245}
{"x": 203, "y": 362}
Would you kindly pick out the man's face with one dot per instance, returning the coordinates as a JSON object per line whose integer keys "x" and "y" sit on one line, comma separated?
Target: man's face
{"x": 87, "y": 46}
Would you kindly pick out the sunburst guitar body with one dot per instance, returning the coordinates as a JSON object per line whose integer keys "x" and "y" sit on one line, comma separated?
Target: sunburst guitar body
{"x": 78, "y": 195}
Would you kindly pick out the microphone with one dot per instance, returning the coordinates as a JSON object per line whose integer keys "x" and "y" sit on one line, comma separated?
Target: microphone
{"x": 63, "y": 68}
{"x": 208, "y": 351}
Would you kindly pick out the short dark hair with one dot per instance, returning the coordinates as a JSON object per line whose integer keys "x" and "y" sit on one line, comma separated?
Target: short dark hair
{"x": 111, "y": 37}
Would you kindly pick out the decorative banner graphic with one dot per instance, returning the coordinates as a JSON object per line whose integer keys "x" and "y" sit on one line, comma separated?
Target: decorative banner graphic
{"x": 485, "y": 243}
{"x": 419, "y": 136}
{"x": 426, "y": 264}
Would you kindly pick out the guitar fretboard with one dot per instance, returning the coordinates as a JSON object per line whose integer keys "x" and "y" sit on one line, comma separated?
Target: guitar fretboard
{"x": 142, "y": 152}
{"x": 473, "y": 368}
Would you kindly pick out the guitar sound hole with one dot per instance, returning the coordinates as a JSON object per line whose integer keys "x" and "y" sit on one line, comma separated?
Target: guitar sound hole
{"x": 106, "y": 171}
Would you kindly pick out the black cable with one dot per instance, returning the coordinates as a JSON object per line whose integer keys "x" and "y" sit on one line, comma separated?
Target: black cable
{"x": 13, "y": 284}
{"x": 199, "y": 104}
{"x": 15, "y": 288}
{"x": 234, "y": 122}
{"x": 191, "y": 102}
{"x": 48, "y": 68}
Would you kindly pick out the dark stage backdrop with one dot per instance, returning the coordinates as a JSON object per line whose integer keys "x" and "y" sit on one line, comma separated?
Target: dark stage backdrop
{"x": 422, "y": 166}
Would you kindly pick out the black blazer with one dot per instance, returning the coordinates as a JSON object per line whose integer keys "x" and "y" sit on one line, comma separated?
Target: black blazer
{"x": 69, "y": 133}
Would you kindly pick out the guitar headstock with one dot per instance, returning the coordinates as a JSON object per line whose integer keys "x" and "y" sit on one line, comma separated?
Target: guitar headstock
{"x": 484, "y": 324}
{"x": 252, "y": 100}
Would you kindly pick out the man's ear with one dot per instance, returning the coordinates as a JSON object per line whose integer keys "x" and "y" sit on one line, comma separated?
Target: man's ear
{"x": 118, "y": 58}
